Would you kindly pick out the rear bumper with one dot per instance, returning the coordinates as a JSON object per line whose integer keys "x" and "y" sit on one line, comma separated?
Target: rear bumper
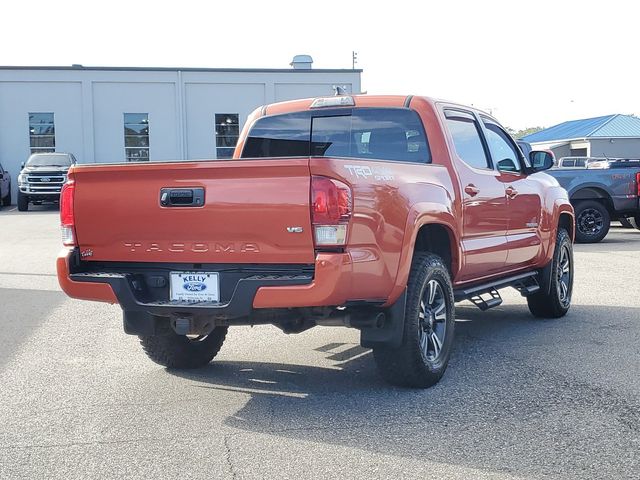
{"x": 626, "y": 204}
{"x": 99, "y": 292}
{"x": 328, "y": 285}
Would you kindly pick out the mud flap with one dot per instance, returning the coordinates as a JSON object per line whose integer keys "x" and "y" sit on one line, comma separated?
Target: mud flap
{"x": 139, "y": 322}
{"x": 393, "y": 329}
{"x": 544, "y": 277}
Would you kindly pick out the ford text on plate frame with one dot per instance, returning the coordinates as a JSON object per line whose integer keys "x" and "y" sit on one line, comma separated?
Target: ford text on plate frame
{"x": 195, "y": 287}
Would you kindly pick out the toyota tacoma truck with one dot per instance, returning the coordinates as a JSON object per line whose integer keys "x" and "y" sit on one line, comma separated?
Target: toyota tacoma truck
{"x": 372, "y": 212}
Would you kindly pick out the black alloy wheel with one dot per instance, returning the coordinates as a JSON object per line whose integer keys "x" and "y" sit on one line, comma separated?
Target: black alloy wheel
{"x": 432, "y": 321}
{"x": 592, "y": 221}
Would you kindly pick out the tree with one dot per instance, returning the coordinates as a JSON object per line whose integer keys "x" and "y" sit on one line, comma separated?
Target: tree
{"x": 517, "y": 134}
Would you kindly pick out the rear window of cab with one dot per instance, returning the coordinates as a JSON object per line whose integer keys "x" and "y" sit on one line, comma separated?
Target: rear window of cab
{"x": 394, "y": 134}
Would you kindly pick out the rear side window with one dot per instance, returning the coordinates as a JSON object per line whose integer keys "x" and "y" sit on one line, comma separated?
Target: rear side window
{"x": 466, "y": 138}
{"x": 377, "y": 133}
{"x": 279, "y": 136}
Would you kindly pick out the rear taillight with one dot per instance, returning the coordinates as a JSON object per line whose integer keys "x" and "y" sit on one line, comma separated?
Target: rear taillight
{"x": 638, "y": 183}
{"x": 331, "y": 208}
{"x": 67, "y": 221}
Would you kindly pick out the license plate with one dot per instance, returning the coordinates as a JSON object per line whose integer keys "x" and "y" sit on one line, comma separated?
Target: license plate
{"x": 195, "y": 287}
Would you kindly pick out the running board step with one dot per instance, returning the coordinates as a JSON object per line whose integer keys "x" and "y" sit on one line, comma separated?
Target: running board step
{"x": 486, "y": 303}
{"x": 526, "y": 283}
{"x": 526, "y": 290}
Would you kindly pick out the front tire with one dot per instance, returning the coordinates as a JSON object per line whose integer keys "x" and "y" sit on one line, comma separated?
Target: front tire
{"x": 6, "y": 201}
{"x": 592, "y": 221}
{"x": 422, "y": 358}
{"x": 556, "y": 302}
{"x": 182, "y": 352}
{"x": 23, "y": 202}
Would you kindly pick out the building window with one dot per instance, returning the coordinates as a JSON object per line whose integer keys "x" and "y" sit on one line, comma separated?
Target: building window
{"x": 42, "y": 133}
{"x": 227, "y": 132}
{"x": 136, "y": 137}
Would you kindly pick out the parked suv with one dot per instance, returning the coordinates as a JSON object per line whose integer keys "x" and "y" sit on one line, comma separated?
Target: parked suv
{"x": 5, "y": 187}
{"x": 42, "y": 177}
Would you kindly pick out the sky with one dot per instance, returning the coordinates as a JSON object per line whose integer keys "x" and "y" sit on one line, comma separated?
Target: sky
{"x": 533, "y": 63}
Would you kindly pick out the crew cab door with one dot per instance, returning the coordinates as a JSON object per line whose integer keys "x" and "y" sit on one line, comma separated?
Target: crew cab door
{"x": 523, "y": 194}
{"x": 484, "y": 205}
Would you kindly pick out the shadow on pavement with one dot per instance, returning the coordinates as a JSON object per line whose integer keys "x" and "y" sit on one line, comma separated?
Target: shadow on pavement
{"x": 21, "y": 313}
{"x": 48, "y": 208}
{"x": 625, "y": 240}
{"x": 509, "y": 386}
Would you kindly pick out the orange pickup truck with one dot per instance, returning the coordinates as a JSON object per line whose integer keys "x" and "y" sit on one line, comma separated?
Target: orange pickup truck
{"x": 371, "y": 212}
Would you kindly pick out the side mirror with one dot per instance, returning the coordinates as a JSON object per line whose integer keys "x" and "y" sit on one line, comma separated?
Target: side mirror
{"x": 22, "y": 165}
{"x": 541, "y": 160}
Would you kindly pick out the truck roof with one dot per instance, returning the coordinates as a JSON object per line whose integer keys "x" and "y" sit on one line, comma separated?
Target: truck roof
{"x": 362, "y": 100}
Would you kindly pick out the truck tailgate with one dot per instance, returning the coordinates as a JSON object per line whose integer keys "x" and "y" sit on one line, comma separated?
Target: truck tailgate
{"x": 248, "y": 207}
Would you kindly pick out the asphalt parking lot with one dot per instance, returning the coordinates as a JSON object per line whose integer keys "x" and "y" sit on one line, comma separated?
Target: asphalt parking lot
{"x": 522, "y": 398}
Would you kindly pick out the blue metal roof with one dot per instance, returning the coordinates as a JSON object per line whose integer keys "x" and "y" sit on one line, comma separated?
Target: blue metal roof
{"x": 606, "y": 126}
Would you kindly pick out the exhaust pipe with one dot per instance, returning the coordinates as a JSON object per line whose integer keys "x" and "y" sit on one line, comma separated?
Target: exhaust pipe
{"x": 353, "y": 320}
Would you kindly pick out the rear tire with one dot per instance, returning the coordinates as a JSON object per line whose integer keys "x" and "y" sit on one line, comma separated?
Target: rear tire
{"x": 429, "y": 322}
{"x": 556, "y": 302}
{"x": 6, "y": 201}
{"x": 23, "y": 202}
{"x": 179, "y": 351}
{"x": 592, "y": 221}
{"x": 635, "y": 221}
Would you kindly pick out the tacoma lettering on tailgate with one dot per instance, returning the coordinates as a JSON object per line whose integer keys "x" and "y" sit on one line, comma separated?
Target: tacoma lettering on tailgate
{"x": 196, "y": 247}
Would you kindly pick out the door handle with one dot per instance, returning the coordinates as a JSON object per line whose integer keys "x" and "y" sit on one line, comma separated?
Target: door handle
{"x": 511, "y": 192}
{"x": 182, "y": 197}
{"x": 472, "y": 190}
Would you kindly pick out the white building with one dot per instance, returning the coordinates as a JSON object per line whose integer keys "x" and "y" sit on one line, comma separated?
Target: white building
{"x": 104, "y": 114}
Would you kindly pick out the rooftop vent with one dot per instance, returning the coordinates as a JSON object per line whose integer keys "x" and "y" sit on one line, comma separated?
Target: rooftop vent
{"x": 302, "y": 62}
